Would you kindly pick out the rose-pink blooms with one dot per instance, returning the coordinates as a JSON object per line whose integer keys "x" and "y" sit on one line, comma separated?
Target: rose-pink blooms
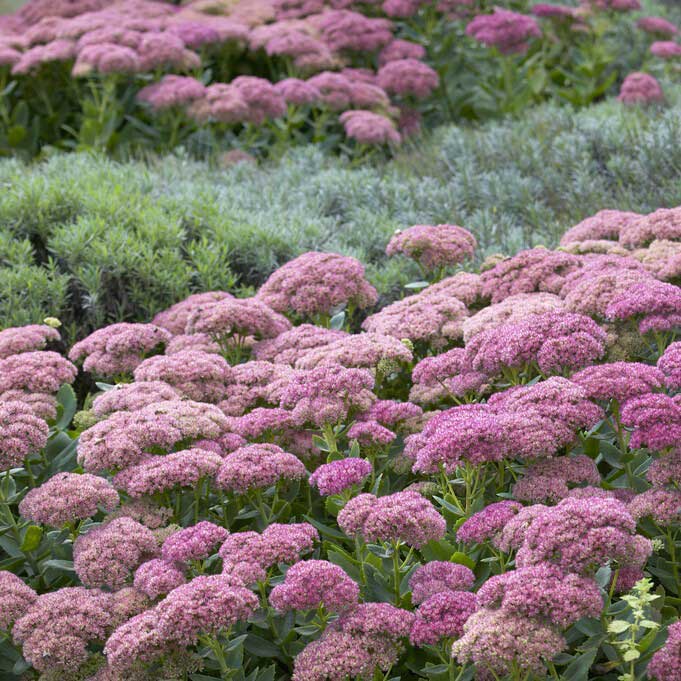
{"x": 238, "y": 317}
{"x": 21, "y": 433}
{"x": 193, "y": 543}
{"x": 154, "y": 474}
{"x": 546, "y": 10}
{"x": 40, "y": 371}
{"x": 664, "y": 223}
{"x": 363, "y": 350}
{"x": 255, "y": 384}
{"x": 107, "y": 554}
{"x": 313, "y": 583}
{"x": 509, "y": 32}
{"x": 132, "y": 396}
{"x": 34, "y": 58}
{"x": 257, "y": 466}
{"x": 158, "y": 577}
{"x": 408, "y": 77}
{"x": 488, "y": 522}
{"x": 122, "y": 439}
{"x": 438, "y": 577}
{"x": 118, "y": 348}
{"x": 288, "y": 346}
{"x": 404, "y": 517}
{"x": 670, "y": 365}
{"x": 665, "y": 665}
{"x": 171, "y": 91}
{"x": 262, "y": 98}
{"x": 657, "y": 26}
{"x": 659, "y": 503}
{"x": 498, "y": 642}
{"x": 433, "y": 246}
{"x": 317, "y": 283}
{"x": 327, "y": 394}
{"x": 619, "y": 380}
{"x": 442, "y": 615}
{"x": 369, "y": 128}
{"x": 15, "y": 599}
{"x": 537, "y": 269}
{"x": 207, "y": 604}
{"x": 640, "y": 88}
{"x": 556, "y": 341}
{"x": 347, "y": 30}
{"x": 137, "y": 640}
{"x": 666, "y": 49}
{"x": 18, "y": 339}
{"x": 197, "y": 375}
{"x": 298, "y": 92}
{"x": 106, "y": 58}
{"x": 401, "y": 49}
{"x": 581, "y": 535}
{"x": 55, "y": 630}
{"x": 543, "y": 591}
{"x": 175, "y": 318}
{"x": 337, "y": 476}
{"x": 68, "y": 497}
{"x": 606, "y": 224}
{"x": 656, "y": 306}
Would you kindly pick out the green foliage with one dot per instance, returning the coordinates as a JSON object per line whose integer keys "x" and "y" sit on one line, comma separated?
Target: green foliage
{"x": 94, "y": 241}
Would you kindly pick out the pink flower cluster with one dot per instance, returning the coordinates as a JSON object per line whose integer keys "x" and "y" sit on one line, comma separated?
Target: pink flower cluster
{"x": 509, "y": 32}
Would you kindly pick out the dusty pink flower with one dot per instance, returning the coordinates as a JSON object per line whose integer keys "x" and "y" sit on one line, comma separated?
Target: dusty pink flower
{"x": 438, "y": 577}
{"x": 498, "y": 641}
{"x": 488, "y": 522}
{"x": 21, "y": 433}
{"x": 655, "y": 305}
{"x": 118, "y": 348}
{"x": 288, "y": 346}
{"x": 434, "y": 247}
{"x": 543, "y": 591}
{"x": 665, "y": 665}
{"x": 238, "y": 318}
{"x": 154, "y": 474}
{"x": 313, "y": 583}
{"x": 171, "y": 91}
{"x": 256, "y": 383}
{"x": 581, "y": 535}
{"x": 15, "y": 340}
{"x": 657, "y": 26}
{"x": 606, "y": 224}
{"x": 175, "y": 318}
{"x": 68, "y": 497}
{"x": 54, "y": 51}
{"x": 15, "y": 599}
{"x": 158, "y": 577}
{"x": 317, "y": 283}
{"x": 106, "y": 58}
{"x": 640, "y": 88}
{"x": 197, "y": 375}
{"x": 327, "y": 394}
{"x": 337, "y": 476}
{"x": 664, "y": 223}
{"x": 207, "y": 604}
{"x": 137, "y": 640}
{"x": 670, "y": 365}
{"x": 193, "y": 543}
{"x": 55, "y": 630}
{"x": 39, "y": 372}
{"x": 347, "y": 30}
{"x": 535, "y": 270}
{"x": 369, "y": 128}
{"x": 108, "y": 554}
{"x": 364, "y": 350}
{"x": 666, "y": 49}
{"x": 122, "y": 439}
{"x": 661, "y": 504}
{"x": 548, "y": 11}
{"x": 408, "y": 77}
{"x": 509, "y": 32}
{"x": 401, "y": 49}
{"x": 258, "y": 465}
{"x": 263, "y": 100}
{"x": 404, "y": 517}
{"x": 132, "y": 397}
{"x": 442, "y": 615}
{"x": 298, "y": 92}
{"x": 619, "y": 380}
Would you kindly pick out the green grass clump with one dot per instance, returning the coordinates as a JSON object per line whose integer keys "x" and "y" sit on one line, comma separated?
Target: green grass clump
{"x": 94, "y": 241}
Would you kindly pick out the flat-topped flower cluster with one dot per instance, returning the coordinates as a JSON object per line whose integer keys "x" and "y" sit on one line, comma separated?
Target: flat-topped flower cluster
{"x": 483, "y": 478}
